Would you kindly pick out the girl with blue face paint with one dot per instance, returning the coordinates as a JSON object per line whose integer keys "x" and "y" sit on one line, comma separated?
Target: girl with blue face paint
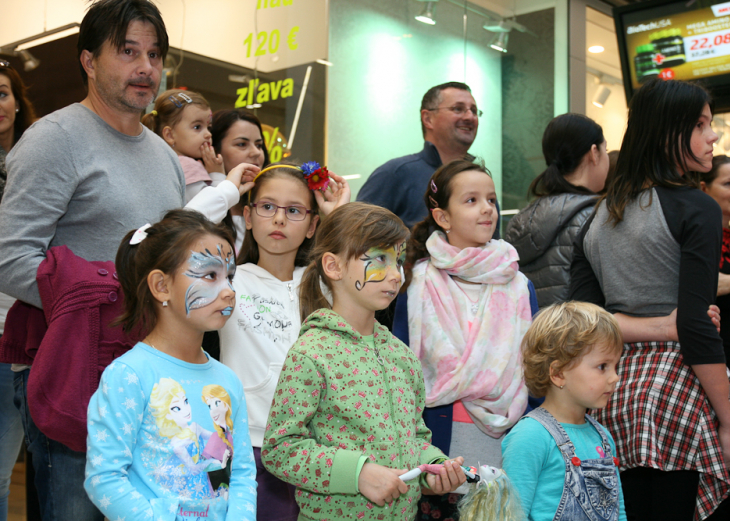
{"x": 147, "y": 441}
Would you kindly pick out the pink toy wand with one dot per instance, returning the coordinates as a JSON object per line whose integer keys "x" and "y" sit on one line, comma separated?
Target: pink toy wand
{"x": 471, "y": 472}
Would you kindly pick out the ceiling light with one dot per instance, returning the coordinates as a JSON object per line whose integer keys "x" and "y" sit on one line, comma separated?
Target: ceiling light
{"x": 602, "y": 94}
{"x": 49, "y": 36}
{"x": 30, "y": 62}
{"x": 595, "y": 49}
{"x": 499, "y": 42}
{"x": 426, "y": 15}
{"x": 324, "y": 62}
{"x": 503, "y": 26}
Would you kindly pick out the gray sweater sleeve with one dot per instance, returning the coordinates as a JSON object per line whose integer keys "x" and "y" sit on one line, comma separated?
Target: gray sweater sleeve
{"x": 41, "y": 180}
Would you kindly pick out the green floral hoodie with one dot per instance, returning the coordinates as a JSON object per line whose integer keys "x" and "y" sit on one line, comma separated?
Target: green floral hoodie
{"x": 334, "y": 404}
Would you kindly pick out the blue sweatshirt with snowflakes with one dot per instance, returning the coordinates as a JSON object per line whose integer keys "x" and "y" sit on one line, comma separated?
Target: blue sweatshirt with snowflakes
{"x": 168, "y": 440}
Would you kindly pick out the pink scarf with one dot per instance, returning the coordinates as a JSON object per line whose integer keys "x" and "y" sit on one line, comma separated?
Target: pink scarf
{"x": 481, "y": 366}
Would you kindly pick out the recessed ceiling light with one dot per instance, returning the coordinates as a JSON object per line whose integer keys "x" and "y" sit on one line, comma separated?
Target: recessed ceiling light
{"x": 595, "y": 49}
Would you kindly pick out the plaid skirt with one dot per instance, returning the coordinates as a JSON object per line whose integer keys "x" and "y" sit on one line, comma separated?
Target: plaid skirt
{"x": 661, "y": 418}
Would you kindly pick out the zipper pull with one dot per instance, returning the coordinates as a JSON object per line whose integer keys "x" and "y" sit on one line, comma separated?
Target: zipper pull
{"x": 291, "y": 296}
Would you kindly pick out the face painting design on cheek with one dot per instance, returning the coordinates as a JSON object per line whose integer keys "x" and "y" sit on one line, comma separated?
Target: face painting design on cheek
{"x": 379, "y": 260}
{"x": 211, "y": 274}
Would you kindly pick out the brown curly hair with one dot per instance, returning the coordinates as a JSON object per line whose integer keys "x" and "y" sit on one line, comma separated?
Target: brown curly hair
{"x": 564, "y": 333}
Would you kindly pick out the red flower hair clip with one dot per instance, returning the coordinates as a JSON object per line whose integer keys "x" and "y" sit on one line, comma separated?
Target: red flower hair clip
{"x": 318, "y": 177}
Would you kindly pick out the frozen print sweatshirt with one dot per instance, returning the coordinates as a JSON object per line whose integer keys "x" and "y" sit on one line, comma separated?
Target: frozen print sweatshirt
{"x": 168, "y": 440}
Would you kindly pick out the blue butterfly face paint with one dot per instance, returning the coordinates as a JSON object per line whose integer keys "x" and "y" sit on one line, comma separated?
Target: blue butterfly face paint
{"x": 211, "y": 273}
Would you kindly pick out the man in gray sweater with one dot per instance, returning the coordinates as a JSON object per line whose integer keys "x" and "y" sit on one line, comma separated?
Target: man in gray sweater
{"x": 82, "y": 177}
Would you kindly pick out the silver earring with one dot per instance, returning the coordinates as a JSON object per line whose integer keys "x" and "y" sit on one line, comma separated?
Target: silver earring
{"x": 17, "y": 110}
{"x": 164, "y": 305}
{"x": 562, "y": 386}
{"x": 448, "y": 231}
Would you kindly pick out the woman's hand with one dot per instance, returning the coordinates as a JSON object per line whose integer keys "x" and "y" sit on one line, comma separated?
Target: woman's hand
{"x": 671, "y": 321}
{"x": 337, "y": 194}
{"x": 381, "y": 484}
{"x": 242, "y": 176}
{"x": 714, "y": 314}
{"x": 449, "y": 478}
{"x": 663, "y": 329}
{"x": 212, "y": 162}
{"x": 723, "y": 284}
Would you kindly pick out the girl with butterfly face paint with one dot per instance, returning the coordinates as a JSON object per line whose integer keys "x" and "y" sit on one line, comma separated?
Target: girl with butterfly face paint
{"x": 345, "y": 421}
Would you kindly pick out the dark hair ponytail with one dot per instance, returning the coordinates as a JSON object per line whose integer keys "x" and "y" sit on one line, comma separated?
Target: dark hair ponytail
{"x": 165, "y": 248}
{"x": 437, "y": 195}
{"x": 566, "y": 141}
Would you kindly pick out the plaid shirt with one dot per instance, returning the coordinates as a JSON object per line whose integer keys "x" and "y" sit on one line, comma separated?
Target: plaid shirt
{"x": 661, "y": 418}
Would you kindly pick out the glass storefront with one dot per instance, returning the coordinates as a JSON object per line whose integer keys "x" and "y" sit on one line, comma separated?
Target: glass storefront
{"x": 346, "y": 90}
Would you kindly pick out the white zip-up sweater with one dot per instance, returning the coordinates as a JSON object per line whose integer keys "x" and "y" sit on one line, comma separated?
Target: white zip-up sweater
{"x": 255, "y": 340}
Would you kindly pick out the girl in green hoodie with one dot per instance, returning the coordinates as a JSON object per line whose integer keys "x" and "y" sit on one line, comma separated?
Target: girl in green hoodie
{"x": 346, "y": 421}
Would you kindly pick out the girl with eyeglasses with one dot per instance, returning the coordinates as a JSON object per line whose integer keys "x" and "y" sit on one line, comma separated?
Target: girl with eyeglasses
{"x": 16, "y": 115}
{"x": 281, "y": 219}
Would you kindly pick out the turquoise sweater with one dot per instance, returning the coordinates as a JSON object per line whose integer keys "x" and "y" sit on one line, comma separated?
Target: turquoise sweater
{"x": 535, "y": 466}
{"x": 335, "y": 403}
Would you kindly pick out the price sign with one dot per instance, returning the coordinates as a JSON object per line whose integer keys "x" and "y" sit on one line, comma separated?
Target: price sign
{"x": 708, "y": 45}
{"x": 276, "y": 35}
{"x": 274, "y": 39}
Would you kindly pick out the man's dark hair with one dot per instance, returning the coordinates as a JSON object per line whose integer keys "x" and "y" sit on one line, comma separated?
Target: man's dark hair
{"x": 432, "y": 98}
{"x": 110, "y": 19}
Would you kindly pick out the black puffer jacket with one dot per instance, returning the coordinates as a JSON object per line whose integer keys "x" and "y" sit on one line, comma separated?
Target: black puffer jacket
{"x": 543, "y": 234}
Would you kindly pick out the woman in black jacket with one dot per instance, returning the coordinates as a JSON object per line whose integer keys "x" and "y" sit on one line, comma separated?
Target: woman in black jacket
{"x": 543, "y": 232}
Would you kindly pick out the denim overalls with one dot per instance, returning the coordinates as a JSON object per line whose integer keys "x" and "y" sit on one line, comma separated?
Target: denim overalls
{"x": 590, "y": 492}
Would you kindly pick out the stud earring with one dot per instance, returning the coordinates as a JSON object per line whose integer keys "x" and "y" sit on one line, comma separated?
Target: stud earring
{"x": 17, "y": 110}
{"x": 562, "y": 386}
{"x": 164, "y": 305}
{"x": 448, "y": 231}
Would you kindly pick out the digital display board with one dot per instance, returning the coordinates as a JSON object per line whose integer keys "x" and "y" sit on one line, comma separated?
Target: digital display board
{"x": 669, "y": 40}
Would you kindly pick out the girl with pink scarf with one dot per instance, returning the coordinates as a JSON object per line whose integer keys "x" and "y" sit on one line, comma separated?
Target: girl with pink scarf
{"x": 468, "y": 307}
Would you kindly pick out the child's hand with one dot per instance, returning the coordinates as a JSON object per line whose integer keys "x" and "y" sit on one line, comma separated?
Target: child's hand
{"x": 449, "y": 478}
{"x": 242, "y": 176}
{"x": 211, "y": 162}
{"x": 337, "y": 194}
{"x": 380, "y": 484}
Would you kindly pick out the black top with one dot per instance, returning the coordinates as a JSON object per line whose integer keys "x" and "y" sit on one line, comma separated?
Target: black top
{"x": 694, "y": 221}
{"x": 723, "y": 301}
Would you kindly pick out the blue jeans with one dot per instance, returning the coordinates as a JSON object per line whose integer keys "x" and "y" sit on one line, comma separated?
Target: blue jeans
{"x": 11, "y": 436}
{"x": 59, "y": 471}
